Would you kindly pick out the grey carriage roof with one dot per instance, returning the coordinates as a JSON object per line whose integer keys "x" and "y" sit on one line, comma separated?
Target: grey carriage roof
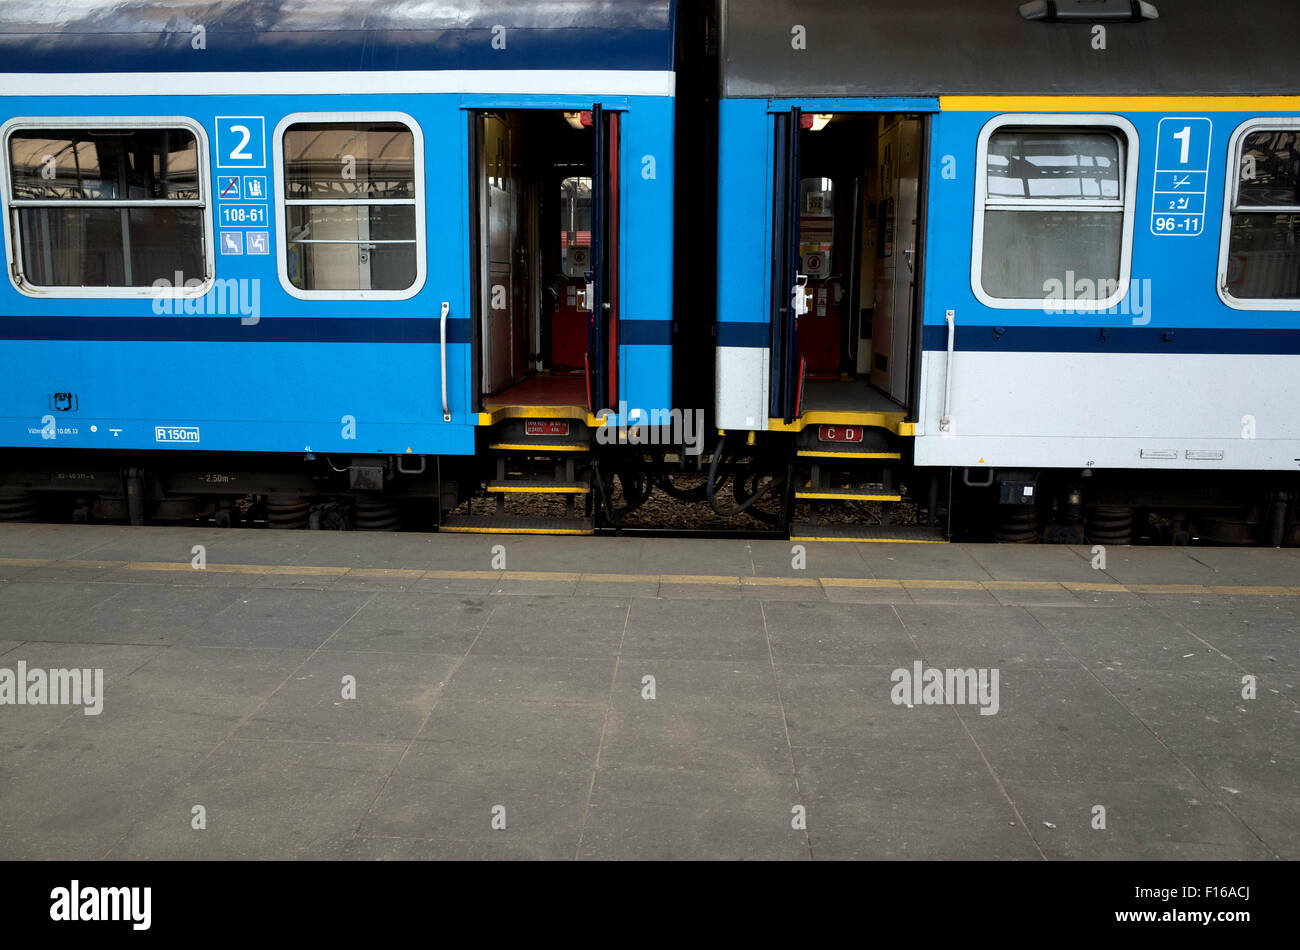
{"x": 938, "y": 47}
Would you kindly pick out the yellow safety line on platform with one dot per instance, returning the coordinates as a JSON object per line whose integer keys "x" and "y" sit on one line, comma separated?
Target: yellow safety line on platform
{"x": 703, "y": 580}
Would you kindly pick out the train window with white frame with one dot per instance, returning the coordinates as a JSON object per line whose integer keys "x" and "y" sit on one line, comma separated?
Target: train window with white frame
{"x": 1054, "y": 215}
{"x": 1261, "y": 252}
{"x": 106, "y": 209}
{"x": 351, "y": 219}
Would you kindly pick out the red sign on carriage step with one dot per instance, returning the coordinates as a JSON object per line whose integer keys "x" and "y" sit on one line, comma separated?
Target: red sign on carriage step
{"x": 546, "y": 427}
{"x": 840, "y": 433}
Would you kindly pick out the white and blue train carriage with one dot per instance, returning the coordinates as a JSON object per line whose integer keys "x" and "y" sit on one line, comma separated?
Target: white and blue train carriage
{"x": 1035, "y": 263}
{"x": 323, "y": 252}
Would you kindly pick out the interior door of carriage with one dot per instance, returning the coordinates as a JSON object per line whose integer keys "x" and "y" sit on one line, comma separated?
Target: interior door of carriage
{"x": 789, "y": 298}
{"x": 603, "y": 279}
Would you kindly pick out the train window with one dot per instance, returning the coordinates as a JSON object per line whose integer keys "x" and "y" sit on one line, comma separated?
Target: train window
{"x": 575, "y": 226}
{"x": 106, "y": 209}
{"x": 349, "y": 211}
{"x": 1054, "y": 214}
{"x": 1260, "y": 259}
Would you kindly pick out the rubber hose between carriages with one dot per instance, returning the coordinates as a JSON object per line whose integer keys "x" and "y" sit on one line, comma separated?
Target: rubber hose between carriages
{"x": 711, "y": 484}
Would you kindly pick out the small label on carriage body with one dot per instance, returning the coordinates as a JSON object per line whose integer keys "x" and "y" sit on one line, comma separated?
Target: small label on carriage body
{"x": 545, "y": 427}
{"x": 176, "y": 434}
{"x": 840, "y": 433}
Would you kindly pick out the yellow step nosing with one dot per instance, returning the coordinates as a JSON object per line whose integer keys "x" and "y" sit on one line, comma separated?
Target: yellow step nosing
{"x": 818, "y": 453}
{"x": 477, "y": 529}
{"x": 555, "y": 411}
{"x": 539, "y": 490}
{"x": 832, "y": 495}
{"x": 525, "y": 447}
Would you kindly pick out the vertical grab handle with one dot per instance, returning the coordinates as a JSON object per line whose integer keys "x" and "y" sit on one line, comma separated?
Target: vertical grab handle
{"x": 442, "y": 336}
{"x": 945, "y": 421}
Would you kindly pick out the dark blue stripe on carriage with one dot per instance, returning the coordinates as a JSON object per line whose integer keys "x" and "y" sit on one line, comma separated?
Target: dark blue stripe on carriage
{"x": 753, "y": 335}
{"x": 279, "y": 330}
{"x": 229, "y": 329}
{"x": 645, "y": 332}
{"x": 1115, "y": 340}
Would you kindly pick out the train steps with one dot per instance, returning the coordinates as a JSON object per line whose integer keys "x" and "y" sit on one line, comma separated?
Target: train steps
{"x": 844, "y": 475}
{"x": 529, "y": 478}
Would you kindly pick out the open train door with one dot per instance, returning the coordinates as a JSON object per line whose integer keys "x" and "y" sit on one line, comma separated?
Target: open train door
{"x": 602, "y": 281}
{"x": 901, "y": 144}
{"x": 496, "y": 141}
{"x": 789, "y": 297}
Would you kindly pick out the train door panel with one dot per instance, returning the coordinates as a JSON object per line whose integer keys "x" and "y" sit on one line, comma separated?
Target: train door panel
{"x": 819, "y": 329}
{"x": 570, "y": 318}
{"x": 504, "y": 266}
{"x": 789, "y": 293}
{"x": 865, "y": 262}
{"x": 601, "y": 294}
{"x": 895, "y": 277}
{"x": 524, "y": 328}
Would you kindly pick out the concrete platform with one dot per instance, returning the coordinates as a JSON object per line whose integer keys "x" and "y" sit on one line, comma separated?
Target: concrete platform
{"x": 521, "y": 693}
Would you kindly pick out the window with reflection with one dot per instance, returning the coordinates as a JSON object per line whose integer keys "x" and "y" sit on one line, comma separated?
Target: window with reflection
{"x": 1054, "y": 207}
{"x": 106, "y": 207}
{"x": 1264, "y": 228}
{"x": 350, "y": 215}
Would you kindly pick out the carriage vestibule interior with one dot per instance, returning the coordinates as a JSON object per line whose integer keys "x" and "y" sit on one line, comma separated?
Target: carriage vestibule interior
{"x": 858, "y": 220}
{"x": 534, "y": 218}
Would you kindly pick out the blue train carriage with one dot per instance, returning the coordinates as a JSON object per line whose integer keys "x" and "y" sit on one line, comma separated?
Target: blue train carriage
{"x": 346, "y": 262}
{"x": 1035, "y": 265}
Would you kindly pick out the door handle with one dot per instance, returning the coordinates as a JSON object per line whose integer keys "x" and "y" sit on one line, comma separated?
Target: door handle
{"x": 442, "y": 336}
{"x": 945, "y": 421}
{"x": 799, "y": 297}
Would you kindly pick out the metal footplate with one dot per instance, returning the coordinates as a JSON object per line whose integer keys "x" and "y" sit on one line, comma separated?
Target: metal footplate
{"x": 876, "y": 492}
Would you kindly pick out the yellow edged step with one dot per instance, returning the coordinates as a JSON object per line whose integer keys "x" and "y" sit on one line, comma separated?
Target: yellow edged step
{"x": 847, "y": 454}
{"x": 521, "y": 486}
{"x": 879, "y": 493}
